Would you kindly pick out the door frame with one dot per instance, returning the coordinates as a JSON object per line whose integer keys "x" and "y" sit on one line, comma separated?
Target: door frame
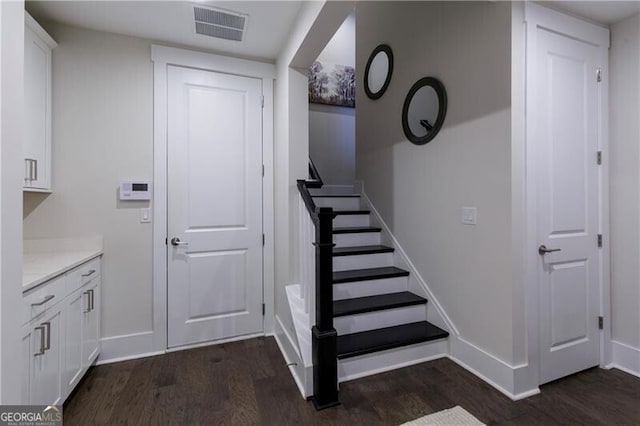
{"x": 162, "y": 57}
{"x": 537, "y": 16}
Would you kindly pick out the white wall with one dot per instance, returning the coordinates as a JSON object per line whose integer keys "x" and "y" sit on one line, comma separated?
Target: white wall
{"x": 11, "y": 161}
{"x": 419, "y": 190}
{"x": 624, "y": 104}
{"x": 332, "y": 129}
{"x": 316, "y": 22}
{"x": 102, "y": 132}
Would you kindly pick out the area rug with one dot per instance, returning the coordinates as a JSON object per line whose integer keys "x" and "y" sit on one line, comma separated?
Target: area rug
{"x": 453, "y": 416}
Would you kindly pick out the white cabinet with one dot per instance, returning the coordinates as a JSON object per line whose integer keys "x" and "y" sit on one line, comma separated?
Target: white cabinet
{"x": 76, "y": 304}
{"x": 82, "y": 327}
{"x": 42, "y": 339}
{"x": 37, "y": 97}
{"x": 91, "y": 323}
{"x": 61, "y": 342}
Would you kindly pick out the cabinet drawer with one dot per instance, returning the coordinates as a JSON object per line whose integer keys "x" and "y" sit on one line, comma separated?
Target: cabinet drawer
{"x": 82, "y": 274}
{"x": 41, "y": 298}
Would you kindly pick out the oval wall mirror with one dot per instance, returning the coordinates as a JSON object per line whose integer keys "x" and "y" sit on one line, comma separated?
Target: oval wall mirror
{"x": 424, "y": 110}
{"x": 377, "y": 73}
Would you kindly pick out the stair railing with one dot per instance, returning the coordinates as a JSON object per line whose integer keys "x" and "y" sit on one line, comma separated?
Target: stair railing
{"x": 316, "y": 238}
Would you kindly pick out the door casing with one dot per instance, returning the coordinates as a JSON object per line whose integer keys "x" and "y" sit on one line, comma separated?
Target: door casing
{"x": 163, "y": 56}
{"x": 537, "y": 16}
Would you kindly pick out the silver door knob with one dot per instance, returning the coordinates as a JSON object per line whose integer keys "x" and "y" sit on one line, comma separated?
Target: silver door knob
{"x": 542, "y": 250}
{"x": 175, "y": 241}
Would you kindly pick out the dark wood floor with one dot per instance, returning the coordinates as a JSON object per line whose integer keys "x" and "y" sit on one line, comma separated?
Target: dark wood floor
{"x": 247, "y": 382}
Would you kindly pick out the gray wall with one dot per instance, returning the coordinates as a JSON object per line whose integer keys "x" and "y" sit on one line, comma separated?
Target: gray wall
{"x": 419, "y": 190}
{"x": 331, "y": 128}
{"x": 102, "y": 132}
{"x": 332, "y": 144}
{"x": 624, "y": 104}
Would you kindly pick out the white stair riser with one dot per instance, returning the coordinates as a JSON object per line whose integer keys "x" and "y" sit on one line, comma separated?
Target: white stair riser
{"x": 338, "y": 203}
{"x": 345, "y": 220}
{"x": 362, "y": 261}
{"x": 378, "y": 362}
{"x": 379, "y": 319}
{"x": 370, "y": 288}
{"x": 357, "y": 239}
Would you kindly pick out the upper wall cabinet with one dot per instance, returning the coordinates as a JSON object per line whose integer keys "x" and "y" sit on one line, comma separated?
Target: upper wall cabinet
{"x": 37, "y": 97}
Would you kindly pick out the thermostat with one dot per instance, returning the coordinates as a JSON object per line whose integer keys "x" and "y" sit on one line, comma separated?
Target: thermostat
{"x": 135, "y": 190}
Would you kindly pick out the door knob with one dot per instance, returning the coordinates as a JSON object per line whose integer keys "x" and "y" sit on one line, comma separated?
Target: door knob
{"x": 175, "y": 241}
{"x": 542, "y": 250}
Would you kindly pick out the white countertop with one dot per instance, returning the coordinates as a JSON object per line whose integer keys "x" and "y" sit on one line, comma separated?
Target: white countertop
{"x": 46, "y": 259}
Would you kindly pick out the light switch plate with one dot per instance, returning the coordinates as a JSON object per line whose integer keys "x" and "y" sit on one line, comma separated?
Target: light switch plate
{"x": 468, "y": 215}
{"x": 145, "y": 215}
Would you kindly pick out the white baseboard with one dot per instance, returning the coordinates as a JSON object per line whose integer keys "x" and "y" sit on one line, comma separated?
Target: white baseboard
{"x": 126, "y": 347}
{"x": 491, "y": 369}
{"x": 625, "y": 358}
{"x": 303, "y": 376}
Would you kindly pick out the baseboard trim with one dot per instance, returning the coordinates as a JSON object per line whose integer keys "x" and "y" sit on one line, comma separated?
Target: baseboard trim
{"x": 490, "y": 369}
{"x": 302, "y": 376}
{"x": 625, "y": 358}
{"x": 126, "y": 347}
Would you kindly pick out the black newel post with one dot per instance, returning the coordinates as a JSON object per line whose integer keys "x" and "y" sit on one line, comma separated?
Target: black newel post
{"x": 324, "y": 336}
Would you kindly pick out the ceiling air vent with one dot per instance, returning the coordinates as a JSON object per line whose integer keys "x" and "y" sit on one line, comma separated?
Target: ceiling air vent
{"x": 219, "y": 23}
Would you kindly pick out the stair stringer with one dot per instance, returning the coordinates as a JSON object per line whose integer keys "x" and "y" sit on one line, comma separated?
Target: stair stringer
{"x": 435, "y": 314}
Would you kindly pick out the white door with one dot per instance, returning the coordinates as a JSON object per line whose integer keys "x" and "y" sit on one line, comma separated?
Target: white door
{"x": 214, "y": 173}
{"x": 567, "y": 118}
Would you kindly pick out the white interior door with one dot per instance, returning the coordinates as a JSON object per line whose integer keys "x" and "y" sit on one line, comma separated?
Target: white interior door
{"x": 214, "y": 174}
{"x": 567, "y": 118}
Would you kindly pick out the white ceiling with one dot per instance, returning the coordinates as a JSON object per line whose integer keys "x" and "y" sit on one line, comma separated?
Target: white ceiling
{"x": 603, "y": 12}
{"x": 268, "y": 24}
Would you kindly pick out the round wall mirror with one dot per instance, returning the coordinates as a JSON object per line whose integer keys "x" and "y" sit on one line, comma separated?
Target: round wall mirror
{"x": 424, "y": 110}
{"x": 377, "y": 73}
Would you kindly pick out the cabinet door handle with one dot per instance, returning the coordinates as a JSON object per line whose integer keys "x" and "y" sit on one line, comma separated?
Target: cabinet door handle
{"x": 35, "y": 169}
{"x": 88, "y": 274}
{"x": 88, "y": 293}
{"x": 45, "y": 300}
{"x": 41, "y": 351}
{"x": 29, "y": 169}
{"x": 47, "y": 326}
{"x": 92, "y": 299}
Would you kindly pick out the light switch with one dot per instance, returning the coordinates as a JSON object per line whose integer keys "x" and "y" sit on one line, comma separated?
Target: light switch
{"x": 145, "y": 215}
{"x": 469, "y": 215}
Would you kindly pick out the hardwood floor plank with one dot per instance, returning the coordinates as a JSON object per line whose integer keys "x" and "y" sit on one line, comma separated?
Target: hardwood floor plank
{"x": 248, "y": 383}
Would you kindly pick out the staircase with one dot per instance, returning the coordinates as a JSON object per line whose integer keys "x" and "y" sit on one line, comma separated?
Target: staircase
{"x": 373, "y": 309}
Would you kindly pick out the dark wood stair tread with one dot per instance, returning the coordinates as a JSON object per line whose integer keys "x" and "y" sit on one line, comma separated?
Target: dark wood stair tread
{"x": 368, "y": 274}
{"x": 355, "y": 229}
{"x": 351, "y": 212}
{"x": 336, "y": 196}
{"x": 366, "y": 342}
{"x": 361, "y": 305}
{"x": 352, "y": 251}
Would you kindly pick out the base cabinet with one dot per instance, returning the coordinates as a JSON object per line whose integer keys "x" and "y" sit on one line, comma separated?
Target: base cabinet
{"x": 91, "y": 324}
{"x": 61, "y": 343}
{"x": 42, "y": 344}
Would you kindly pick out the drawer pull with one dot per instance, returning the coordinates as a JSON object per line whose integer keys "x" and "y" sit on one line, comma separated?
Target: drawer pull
{"x": 88, "y": 274}
{"x": 41, "y": 351}
{"x": 45, "y": 300}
